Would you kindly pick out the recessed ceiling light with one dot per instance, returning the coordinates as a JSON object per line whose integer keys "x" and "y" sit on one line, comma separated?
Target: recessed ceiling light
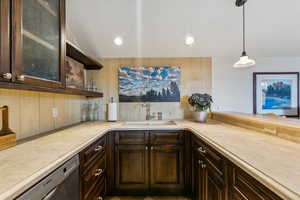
{"x": 189, "y": 40}
{"x": 118, "y": 41}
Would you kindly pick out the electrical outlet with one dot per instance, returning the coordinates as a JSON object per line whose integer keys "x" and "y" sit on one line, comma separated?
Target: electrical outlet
{"x": 54, "y": 112}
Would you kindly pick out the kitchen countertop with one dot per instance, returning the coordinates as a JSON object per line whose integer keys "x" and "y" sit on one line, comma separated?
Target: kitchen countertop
{"x": 273, "y": 161}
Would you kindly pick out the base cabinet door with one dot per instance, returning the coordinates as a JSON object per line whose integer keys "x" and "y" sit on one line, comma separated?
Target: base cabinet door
{"x": 167, "y": 169}
{"x": 197, "y": 176}
{"x": 131, "y": 169}
{"x": 214, "y": 187}
{"x": 199, "y": 181}
{"x": 245, "y": 187}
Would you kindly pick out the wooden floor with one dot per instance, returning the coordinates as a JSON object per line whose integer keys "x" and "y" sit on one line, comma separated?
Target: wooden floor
{"x": 147, "y": 198}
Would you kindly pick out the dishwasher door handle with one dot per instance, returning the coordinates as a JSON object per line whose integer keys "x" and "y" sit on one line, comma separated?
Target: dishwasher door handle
{"x": 50, "y": 194}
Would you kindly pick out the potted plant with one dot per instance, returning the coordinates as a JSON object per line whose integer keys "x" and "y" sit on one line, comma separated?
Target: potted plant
{"x": 201, "y": 104}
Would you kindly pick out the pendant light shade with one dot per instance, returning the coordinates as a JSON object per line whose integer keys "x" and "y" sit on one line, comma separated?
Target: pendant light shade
{"x": 244, "y": 62}
{"x": 244, "y": 59}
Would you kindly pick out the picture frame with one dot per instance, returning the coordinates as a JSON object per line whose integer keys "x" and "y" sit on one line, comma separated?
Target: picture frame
{"x": 276, "y": 93}
{"x": 149, "y": 84}
{"x": 75, "y": 74}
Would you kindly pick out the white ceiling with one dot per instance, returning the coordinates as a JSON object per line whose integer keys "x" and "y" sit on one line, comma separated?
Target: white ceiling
{"x": 157, "y": 28}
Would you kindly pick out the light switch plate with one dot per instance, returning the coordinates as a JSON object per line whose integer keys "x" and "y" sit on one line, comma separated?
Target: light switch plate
{"x": 54, "y": 112}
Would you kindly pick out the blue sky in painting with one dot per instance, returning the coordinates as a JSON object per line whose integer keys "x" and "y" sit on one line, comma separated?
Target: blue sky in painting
{"x": 137, "y": 81}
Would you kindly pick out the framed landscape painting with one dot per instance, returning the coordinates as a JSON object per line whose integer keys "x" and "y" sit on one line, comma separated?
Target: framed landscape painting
{"x": 149, "y": 84}
{"x": 276, "y": 93}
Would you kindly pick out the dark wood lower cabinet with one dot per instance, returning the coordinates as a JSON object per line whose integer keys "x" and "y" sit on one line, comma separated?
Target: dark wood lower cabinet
{"x": 245, "y": 187}
{"x": 207, "y": 183}
{"x": 149, "y": 162}
{"x": 131, "y": 169}
{"x": 167, "y": 169}
{"x": 93, "y": 171}
{"x": 163, "y": 163}
{"x": 197, "y": 177}
{"x": 215, "y": 188}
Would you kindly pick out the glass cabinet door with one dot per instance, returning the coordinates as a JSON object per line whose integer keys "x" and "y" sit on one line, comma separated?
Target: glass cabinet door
{"x": 39, "y": 46}
{"x": 5, "y": 71}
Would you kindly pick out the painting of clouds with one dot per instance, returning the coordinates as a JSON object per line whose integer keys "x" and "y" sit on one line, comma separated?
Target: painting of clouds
{"x": 149, "y": 84}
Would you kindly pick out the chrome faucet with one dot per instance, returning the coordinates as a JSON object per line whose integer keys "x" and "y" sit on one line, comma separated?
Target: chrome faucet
{"x": 149, "y": 116}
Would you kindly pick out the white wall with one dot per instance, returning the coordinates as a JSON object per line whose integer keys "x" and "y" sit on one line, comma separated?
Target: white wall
{"x": 232, "y": 88}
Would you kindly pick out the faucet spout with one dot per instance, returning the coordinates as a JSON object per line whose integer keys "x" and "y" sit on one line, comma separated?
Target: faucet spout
{"x": 148, "y": 111}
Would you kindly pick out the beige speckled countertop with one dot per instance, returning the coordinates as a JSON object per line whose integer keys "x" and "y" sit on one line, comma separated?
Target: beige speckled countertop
{"x": 273, "y": 161}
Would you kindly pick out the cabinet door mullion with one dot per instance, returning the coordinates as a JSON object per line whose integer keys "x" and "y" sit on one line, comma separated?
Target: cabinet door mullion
{"x": 4, "y": 39}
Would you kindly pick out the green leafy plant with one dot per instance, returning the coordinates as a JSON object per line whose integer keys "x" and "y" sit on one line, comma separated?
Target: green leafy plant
{"x": 200, "y": 102}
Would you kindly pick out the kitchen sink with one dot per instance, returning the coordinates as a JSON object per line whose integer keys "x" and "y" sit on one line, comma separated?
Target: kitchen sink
{"x": 150, "y": 123}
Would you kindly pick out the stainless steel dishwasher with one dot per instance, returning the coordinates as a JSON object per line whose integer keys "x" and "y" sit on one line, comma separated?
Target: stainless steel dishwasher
{"x": 62, "y": 184}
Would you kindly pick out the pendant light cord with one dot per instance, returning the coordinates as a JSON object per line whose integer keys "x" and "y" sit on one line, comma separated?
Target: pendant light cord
{"x": 244, "y": 31}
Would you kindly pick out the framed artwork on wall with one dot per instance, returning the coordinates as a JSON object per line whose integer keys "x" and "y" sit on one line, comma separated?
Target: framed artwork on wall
{"x": 149, "y": 84}
{"x": 276, "y": 93}
{"x": 75, "y": 74}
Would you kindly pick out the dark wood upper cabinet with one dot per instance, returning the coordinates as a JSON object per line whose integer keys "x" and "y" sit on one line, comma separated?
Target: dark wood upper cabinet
{"x": 167, "y": 169}
{"x": 38, "y": 43}
{"x": 5, "y": 70}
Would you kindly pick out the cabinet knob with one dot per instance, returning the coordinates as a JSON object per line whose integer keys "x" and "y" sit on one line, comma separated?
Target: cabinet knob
{"x": 99, "y": 198}
{"x": 21, "y": 78}
{"x": 146, "y": 148}
{"x": 7, "y": 76}
{"x": 201, "y": 150}
{"x": 200, "y": 162}
{"x": 152, "y": 148}
{"x": 203, "y": 166}
{"x": 98, "y": 148}
{"x": 98, "y": 172}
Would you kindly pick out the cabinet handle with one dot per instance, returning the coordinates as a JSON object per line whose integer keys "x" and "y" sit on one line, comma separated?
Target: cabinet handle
{"x": 98, "y": 148}
{"x": 7, "y": 76}
{"x": 203, "y": 166}
{"x": 98, "y": 172}
{"x": 146, "y": 148}
{"x": 152, "y": 148}
{"x": 99, "y": 198}
{"x": 201, "y": 150}
{"x": 21, "y": 78}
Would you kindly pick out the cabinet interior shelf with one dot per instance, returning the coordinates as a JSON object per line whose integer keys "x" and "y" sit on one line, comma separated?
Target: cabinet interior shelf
{"x": 46, "y": 6}
{"x": 68, "y": 91}
{"x": 39, "y": 40}
{"x": 77, "y": 54}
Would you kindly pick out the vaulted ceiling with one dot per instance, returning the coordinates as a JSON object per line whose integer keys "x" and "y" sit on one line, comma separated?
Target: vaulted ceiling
{"x": 157, "y": 28}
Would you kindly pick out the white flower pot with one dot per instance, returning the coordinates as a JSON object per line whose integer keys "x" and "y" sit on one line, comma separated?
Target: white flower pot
{"x": 200, "y": 116}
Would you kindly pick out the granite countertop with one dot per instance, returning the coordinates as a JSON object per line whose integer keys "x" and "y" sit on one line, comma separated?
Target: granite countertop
{"x": 273, "y": 161}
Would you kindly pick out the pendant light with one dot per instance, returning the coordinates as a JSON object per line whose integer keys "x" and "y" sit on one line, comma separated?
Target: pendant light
{"x": 244, "y": 59}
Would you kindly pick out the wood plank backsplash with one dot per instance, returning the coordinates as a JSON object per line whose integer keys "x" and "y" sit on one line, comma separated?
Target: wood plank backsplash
{"x": 196, "y": 76}
{"x": 30, "y": 113}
